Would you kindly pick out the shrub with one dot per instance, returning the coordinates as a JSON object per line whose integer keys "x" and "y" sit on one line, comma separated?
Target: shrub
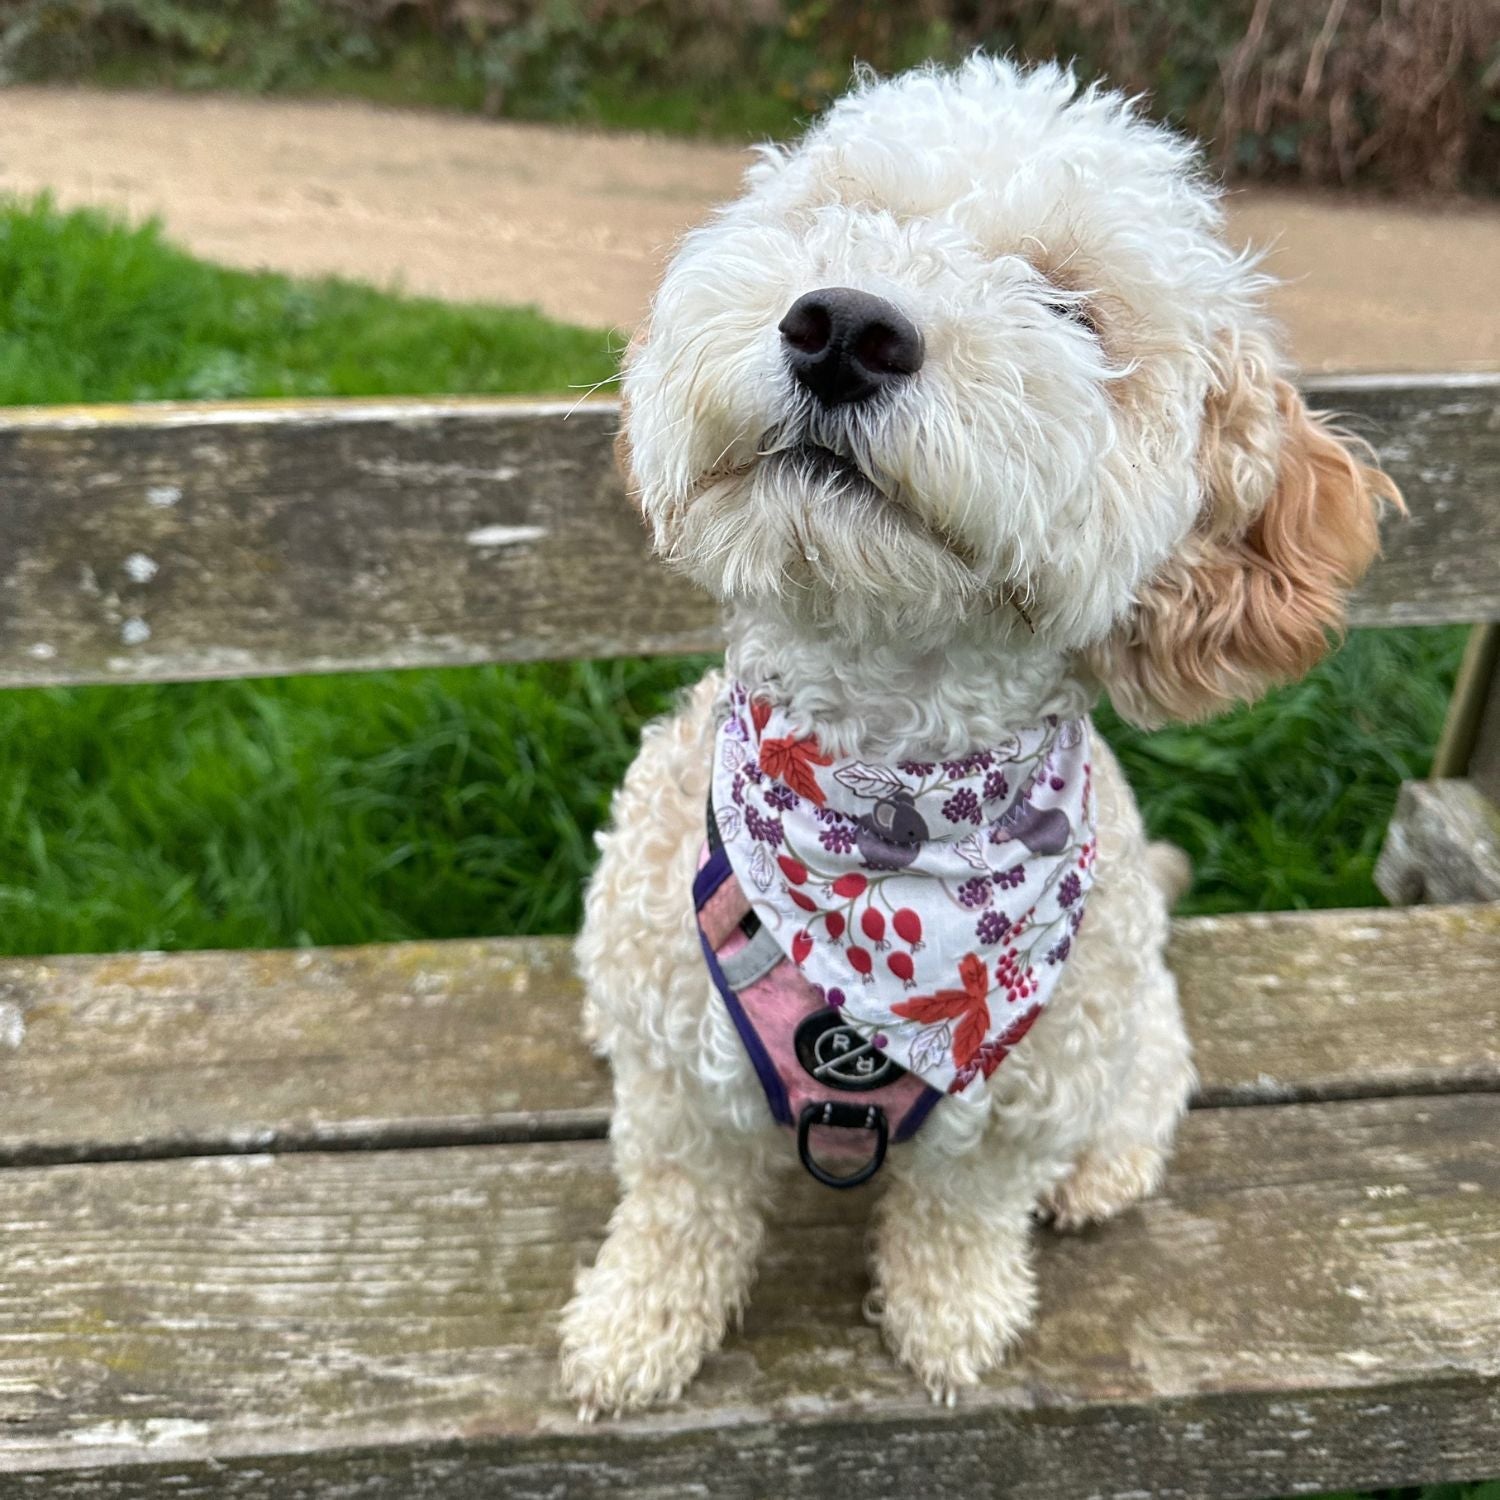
{"x": 1394, "y": 93}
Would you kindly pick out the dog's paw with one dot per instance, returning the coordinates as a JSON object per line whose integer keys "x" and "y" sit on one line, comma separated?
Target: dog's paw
{"x": 625, "y": 1345}
{"x": 949, "y": 1343}
{"x": 669, "y": 1279}
{"x": 1102, "y": 1185}
{"x": 951, "y": 1302}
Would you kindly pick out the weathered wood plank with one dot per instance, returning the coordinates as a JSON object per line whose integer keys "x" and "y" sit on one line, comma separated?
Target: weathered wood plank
{"x": 1341, "y": 1004}
{"x": 1439, "y": 436}
{"x": 1473, "y": 719}
{"x": 412, "y": 1043}
{"x": 170, "y": 1054}
{"x": 1311, "y": 1304}
{"x": 1443, "y": 844}
{"x": 162, "y": 542}
{"x": 1470, "y": 743}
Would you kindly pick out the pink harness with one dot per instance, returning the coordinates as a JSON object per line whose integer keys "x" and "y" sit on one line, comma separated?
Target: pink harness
{"x": 820, "y": 1076}
{"x": 884, "y": 935}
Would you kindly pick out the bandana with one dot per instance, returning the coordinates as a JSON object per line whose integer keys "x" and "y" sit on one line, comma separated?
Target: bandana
{"x": 933, "y": 905}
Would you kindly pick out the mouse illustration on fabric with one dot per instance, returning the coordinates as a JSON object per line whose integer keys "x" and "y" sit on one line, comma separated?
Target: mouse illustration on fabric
{"x": 891, "y": 835}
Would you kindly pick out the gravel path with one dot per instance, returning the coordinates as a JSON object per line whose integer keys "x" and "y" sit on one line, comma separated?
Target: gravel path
{"x": 577, "y": 223}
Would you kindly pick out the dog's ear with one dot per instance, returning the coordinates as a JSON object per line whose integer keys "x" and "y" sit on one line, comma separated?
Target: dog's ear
{"x": 1288, "y": 524}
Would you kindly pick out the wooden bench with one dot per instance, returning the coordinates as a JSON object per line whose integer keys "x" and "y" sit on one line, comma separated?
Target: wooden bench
{"x": 287, "y": 1224}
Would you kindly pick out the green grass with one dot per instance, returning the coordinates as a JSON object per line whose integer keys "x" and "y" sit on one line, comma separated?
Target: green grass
{"x": 445, "y": 804}
{"x": 1286, "y": 804}
{"x": 92, "y": 310}
{"x": 345, "y": 809}
{"x": 311, "y": 810}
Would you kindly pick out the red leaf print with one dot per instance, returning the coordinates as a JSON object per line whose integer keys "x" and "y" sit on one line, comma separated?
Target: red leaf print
{"x": 942, "y": 1006}
{"x": 968, "y": 1005}
{"x": 792, "y": 761}
{"x": 975, "y": 976}
{"x": 760, "y": 711}
{"x": 968, "y": 1036}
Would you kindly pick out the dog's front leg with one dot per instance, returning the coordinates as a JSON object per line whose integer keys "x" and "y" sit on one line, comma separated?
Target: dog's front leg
{"x": 954, "y": 1285}
{"x": 680, "y": 1255}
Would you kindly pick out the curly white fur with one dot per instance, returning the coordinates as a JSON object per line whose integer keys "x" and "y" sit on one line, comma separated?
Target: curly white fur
{"x": 1097, "y": 370}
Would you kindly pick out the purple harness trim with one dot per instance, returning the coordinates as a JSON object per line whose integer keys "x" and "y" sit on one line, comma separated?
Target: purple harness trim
{"x": 710, "y": 877}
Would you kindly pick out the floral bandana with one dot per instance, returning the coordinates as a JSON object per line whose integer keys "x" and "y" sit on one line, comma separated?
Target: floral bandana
{"x": 933, "y": 905}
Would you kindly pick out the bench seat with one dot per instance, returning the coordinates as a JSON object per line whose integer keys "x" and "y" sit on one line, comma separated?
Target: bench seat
{"x": 1313, "y": 1301}
{"x": 297, "y": 1224}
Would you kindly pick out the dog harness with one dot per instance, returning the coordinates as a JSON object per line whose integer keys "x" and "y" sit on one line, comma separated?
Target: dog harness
{"x": 884, "y": 935}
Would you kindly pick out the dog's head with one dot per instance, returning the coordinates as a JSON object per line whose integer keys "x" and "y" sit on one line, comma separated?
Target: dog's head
{"x": 975, "y": 356}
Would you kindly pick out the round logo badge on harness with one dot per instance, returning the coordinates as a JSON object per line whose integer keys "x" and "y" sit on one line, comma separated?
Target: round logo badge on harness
{"x": 837, "y": 1055}
{"x": 840, "y": 1057}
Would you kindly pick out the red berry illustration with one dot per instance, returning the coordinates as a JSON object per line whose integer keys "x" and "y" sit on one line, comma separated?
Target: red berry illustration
{"x": 801, "y": 946}
{"x": 908, "y": 926}
{"x": 859, "y": 961}
{"x": 873, "y": 925}
{"x": 850, "y": 885}
{"x": 900, "y": 965}
{"x": 835, "y": 925}
{"x": 793, "y": 869}
{"x": 803, "y": 900}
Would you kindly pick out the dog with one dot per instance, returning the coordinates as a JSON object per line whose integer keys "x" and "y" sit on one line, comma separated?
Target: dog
{"x": 966, "y": 412}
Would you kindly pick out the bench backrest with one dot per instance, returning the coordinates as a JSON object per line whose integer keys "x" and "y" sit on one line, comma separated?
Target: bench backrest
{"x": 179, "y": 542}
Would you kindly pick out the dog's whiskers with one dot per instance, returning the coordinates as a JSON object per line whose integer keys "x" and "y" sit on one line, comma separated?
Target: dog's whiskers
{"x": 587, "y": 392}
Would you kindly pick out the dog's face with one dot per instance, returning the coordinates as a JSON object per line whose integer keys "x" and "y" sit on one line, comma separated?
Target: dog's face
{"x": 974, "y": 356}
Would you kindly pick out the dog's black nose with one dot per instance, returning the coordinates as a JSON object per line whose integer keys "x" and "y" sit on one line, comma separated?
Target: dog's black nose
{"x": 845, "y": 345}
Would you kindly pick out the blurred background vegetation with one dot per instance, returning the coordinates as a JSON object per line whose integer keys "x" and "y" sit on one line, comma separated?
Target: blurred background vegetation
{"x": 1395, "y": 94}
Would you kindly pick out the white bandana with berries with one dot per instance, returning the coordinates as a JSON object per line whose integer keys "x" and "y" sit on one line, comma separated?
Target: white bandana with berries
{"x": 934, "y": 904}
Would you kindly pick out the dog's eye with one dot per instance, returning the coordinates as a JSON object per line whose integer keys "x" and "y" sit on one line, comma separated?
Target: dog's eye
{"x": 1077, "y": 312}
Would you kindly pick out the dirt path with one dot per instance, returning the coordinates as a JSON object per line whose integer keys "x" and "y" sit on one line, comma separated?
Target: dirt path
{"x": 577, "y": 223}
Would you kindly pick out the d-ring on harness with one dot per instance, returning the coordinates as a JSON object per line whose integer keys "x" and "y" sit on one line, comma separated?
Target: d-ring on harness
{"x": 848, "y": 1117}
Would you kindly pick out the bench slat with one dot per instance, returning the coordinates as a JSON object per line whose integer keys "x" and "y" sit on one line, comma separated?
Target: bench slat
{"x": 1312, "y": 1303}
{"x": 1443, "y": 844}
{"x": 480, "y": 1040}
{"x": 162, "y": 543}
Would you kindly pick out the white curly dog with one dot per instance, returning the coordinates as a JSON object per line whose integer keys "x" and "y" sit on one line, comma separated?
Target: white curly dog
{"x": 965, "y": 411}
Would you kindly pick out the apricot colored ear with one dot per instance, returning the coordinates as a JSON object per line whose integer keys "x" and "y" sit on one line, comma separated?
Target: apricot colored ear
{"x": 1289, "y": 524}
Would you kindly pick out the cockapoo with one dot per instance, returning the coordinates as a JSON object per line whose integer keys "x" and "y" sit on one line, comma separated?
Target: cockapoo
{"x": 966, "y": 412}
